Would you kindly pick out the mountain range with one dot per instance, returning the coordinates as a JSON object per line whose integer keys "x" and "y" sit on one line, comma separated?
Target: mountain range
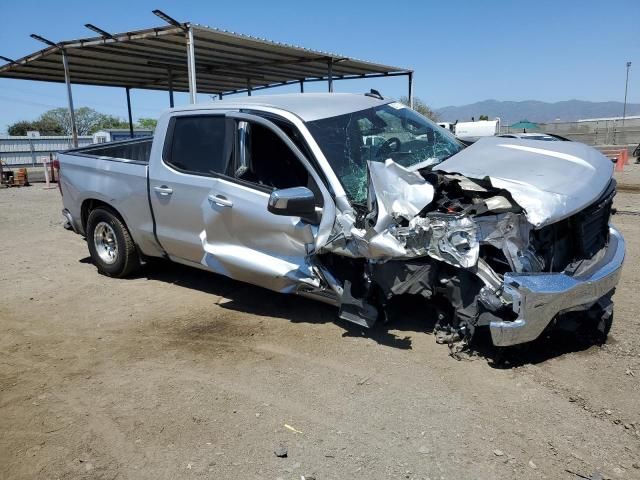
{"x": 536, "y": 111}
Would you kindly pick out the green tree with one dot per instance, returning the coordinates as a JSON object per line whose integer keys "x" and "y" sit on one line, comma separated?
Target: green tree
{"x": 421, "y": 107}
{"x": 148, "y": 123}
{"x": 88, "y": 121}
{"x": 483, "y": 117}
{"x": 58, "y": 122}
{"x": 45, "y": 127}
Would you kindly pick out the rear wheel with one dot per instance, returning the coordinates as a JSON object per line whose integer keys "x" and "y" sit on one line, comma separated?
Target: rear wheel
{"x": 110, "y": 244}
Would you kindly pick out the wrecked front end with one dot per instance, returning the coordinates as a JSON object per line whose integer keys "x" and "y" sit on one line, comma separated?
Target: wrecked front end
{"x": 515, "y": 249}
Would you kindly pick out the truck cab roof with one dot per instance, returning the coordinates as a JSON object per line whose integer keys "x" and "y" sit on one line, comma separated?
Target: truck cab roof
{"x": 307, "y": 106}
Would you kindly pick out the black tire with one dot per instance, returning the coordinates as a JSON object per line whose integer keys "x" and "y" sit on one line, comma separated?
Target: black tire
{"x": 114, "y": 254}
{"x": 603, "y": 328}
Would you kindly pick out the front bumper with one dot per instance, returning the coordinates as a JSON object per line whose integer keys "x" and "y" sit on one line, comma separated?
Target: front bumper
{"x": 538, "y": 298}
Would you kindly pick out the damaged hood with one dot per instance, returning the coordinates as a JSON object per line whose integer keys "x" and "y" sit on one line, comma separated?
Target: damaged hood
{"x": 549, "y": 180}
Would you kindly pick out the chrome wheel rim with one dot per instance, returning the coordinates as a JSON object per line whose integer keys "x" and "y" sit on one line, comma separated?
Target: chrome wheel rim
{"x": 104, "y": 239}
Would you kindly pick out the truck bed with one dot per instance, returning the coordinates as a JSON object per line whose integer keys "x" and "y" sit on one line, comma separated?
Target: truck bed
{"x": 135, "y": 150}
{"x": 116, "y": 174}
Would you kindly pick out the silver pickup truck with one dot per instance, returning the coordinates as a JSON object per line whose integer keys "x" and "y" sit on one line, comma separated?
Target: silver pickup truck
{"x": 357, "y": 201}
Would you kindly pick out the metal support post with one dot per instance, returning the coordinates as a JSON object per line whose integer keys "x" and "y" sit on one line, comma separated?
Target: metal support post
{"x": 301, "y": 86}
{"x": 72, "y": 113}
{"x": 127, "y": 89}
{"x": 170, "y": 82}
{"x": 248, "y": 87}
{"x": 626, "y": 86}
{"x": 410, "y": 75}
{"x": 330, "y": 74}
{"x": 191, "y": 66}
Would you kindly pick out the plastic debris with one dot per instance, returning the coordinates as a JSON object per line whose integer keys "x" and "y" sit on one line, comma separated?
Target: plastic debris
{"x": 291, "y": 428}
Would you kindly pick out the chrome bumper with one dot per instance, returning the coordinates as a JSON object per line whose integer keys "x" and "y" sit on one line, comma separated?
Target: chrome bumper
{"x": 538, "y": 298}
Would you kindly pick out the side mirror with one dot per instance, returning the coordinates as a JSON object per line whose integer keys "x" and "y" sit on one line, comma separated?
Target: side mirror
{"x": 292, "y": 202}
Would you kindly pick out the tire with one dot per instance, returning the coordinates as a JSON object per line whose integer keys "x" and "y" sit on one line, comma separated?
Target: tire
{"x": 110, "y": 244}
{"x": 603, "y": 327}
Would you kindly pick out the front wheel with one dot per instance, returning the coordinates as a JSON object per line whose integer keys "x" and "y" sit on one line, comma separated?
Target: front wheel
{"x": 110, "y": 244}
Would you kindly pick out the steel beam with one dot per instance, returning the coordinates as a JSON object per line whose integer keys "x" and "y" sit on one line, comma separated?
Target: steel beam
{"x": 191, "y": 64}
{"x": 72, "y": 112}
{"x": 330, "y": 74}
{"x": 129, "y": 112}
{"x": 321, "y": 79}
{"x": 123, "y": 37}
{"x": 99, "y": 31}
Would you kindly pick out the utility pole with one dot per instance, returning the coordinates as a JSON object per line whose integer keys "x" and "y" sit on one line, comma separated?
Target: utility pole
{"x": 626, "y": 87}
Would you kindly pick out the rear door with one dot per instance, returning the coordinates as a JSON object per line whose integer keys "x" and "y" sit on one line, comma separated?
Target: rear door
{"x": 196, "y": 152}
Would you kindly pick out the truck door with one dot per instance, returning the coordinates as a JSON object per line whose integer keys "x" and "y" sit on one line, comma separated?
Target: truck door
{"x": 241, "y": 238}
{"x": 216, "y": 214}
{"x": 195, "y": 153}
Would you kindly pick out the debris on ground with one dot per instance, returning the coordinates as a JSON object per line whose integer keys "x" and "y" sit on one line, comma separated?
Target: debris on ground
{"x": 281, "y": 451}
{"x": 291, "y": 428}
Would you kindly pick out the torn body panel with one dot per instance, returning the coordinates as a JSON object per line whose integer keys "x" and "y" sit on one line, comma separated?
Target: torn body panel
{"x": 460, "y": 238}
{"x": 550, "y": 183}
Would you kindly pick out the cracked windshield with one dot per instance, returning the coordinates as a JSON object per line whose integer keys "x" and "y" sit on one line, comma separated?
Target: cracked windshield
{"x": 376, "y": 134}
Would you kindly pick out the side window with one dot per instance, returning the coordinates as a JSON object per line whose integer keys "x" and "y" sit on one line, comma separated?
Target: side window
{"x": 197, "y": 144}
{"x": 262, "y": 158}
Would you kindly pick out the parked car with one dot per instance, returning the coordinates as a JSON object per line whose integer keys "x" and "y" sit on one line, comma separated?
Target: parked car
{"x": 288, "y": 192}
{"x": 548, "y": 137}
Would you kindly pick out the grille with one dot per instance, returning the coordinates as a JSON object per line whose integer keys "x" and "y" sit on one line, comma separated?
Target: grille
{"x": 591, "y": 226}
{"x": 578, "y": 237}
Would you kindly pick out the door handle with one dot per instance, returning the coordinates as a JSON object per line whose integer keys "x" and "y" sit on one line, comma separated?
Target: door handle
{"x": 163, "y": 190}
{"x": 220, "y": 200}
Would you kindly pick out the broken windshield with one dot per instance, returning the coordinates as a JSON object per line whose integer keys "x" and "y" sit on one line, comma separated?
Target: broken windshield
{"x": 389, "y": 131}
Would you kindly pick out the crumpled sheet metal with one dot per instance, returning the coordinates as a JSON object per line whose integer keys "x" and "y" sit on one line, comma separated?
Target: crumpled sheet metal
{"x": 510, "y": 233}
{"x": 541, "y": 207}
{"x": 549, "y": 180}
{"x": 400, "y": 193}
{"x": 279, "y": 274}
{"x": 447, "y": 233}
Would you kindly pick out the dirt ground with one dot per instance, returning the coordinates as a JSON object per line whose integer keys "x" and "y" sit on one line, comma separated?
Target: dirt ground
{"x": 178, "y": 373}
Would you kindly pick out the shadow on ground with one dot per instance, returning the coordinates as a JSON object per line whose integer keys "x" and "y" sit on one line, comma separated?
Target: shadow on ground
{"x": 550, "y": 345}
{"x": 404, "y": 318}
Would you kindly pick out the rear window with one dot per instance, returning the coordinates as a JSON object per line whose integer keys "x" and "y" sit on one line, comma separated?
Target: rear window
{"x": 197, "y": 144}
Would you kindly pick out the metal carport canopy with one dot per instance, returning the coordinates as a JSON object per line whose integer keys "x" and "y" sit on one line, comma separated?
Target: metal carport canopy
{"x": 186, "y": 57}
{"x": 158, "y": 59}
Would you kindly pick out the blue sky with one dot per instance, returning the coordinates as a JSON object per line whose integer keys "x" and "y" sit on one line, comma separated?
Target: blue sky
{"x": 462, "y": 51}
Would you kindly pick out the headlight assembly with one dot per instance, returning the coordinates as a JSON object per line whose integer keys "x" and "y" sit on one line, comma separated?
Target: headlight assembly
{"x": 454, "y": 240}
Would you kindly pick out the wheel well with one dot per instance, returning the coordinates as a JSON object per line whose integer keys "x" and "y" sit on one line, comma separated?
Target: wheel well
{"x": 91, "y": 204}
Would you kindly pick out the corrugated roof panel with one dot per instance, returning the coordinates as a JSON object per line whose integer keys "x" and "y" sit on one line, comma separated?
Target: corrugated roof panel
{"x": 225, "y": 61}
